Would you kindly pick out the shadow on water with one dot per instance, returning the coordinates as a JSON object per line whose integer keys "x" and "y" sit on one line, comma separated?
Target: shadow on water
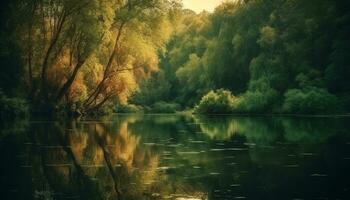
{"x": 176, "y": 157}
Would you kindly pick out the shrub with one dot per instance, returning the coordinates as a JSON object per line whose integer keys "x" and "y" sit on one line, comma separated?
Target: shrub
{"x": 345, "y": 102}
{"x": 164, "y": 107}
{"x": 129, "y": 108}
{"x": 216, "y": 102}
{"x": 259, "y": 100}
{"x": 311, "y": 100}
{"x": 12, "y": 107}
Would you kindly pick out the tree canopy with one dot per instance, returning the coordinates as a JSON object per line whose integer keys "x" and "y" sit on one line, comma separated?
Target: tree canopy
{"x": 269, "y": 54}
{"x": 276, "y": 56}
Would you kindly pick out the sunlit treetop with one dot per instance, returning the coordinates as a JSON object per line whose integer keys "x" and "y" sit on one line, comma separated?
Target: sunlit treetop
{"x": 200, "y": 5}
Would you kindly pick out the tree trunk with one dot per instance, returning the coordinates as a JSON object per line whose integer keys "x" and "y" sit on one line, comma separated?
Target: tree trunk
{"x": 69, "y": 82}
{"x": 48, "y": 54}
{"x": 97, "y": 91}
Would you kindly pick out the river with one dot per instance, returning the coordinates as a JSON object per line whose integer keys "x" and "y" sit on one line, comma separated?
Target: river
{"x": 180, "y": 157}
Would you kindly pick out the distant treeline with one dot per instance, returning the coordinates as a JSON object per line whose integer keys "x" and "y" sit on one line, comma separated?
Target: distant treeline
{"x": 273, "y": 56}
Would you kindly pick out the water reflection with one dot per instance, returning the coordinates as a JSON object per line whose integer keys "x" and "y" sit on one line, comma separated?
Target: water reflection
{"x": 177, "y": 157}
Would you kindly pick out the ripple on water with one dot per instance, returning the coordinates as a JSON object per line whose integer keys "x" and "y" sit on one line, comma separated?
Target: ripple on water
{"x": 167, "y": 153}
{"x": 58, "y": 165}
{"x": 307, "y": 154}
{"x": 149, "y": 144}
{"x": 195, "y": 123}
{"x": 55, "y": 147}
{"x": 174, "y": 145}
{"x": 95, "y": 166}
{"x": 231, "y": 164}
{"x": 165, "y": 168}
{"x": 291, "y": 166}
{"x": 249, "y": 144}
{"x": 229, "y": 149}
{"x": 189, "y": 152}
{"x": 318, "y": 175}
{"x": 197, "y": 141}
{"x": 235, "y": 185}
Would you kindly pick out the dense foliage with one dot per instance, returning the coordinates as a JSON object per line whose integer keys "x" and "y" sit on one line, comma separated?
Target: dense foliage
{"x": 216, "y": 102}
{"x": 275, "y": 56}
{"x": 87, "y": 56}
{"x": 12, "y": 107}
{"x": 310, "y": 100}
{"x": 80, "y": 55}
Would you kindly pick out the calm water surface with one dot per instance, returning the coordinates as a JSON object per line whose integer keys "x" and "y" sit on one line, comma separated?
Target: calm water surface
{"x": 134, "y": 157}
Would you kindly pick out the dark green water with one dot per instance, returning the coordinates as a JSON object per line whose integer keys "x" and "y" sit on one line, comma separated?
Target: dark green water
{"x": 176, "y": 157}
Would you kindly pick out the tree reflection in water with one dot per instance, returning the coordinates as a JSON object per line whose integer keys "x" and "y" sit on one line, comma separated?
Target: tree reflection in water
{"x": 176, "y": 157}
{"x": 93, "y": 160}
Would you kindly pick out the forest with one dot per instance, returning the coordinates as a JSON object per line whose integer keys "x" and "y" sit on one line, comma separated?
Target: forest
{"x": 81, "y": 57}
